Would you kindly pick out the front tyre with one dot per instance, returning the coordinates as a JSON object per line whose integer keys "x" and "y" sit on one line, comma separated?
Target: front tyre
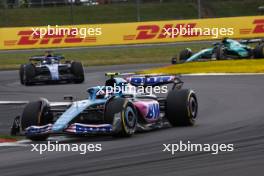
{"x": 181, "y": 107}
{"x": 185, "y": 54}
{"x": 36, "y": 114}
{"x": 174, "y": 61}
{"x": 29, "y": 74}
{"x": 122, "y": 114}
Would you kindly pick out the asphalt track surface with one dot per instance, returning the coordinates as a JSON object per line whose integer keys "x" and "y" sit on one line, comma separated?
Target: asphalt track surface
{"x": 230, "y": 111}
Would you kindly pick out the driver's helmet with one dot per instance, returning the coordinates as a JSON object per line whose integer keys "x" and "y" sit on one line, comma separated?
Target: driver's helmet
{"x": 101, "y": 94}
{"x": 224, "y": 40}
{"x": 48, "y": 57}
{"x": 48, "y": 54}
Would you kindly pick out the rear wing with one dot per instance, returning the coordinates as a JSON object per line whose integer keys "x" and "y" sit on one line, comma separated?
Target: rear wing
{"x": 41, "y": 58}
{"x": 114, "y": 74}
{"x": 148, "y": 79}
{"x": 242, "y": 41}
{"x": 153, "y": 80}
{"x": 251, "y": 41}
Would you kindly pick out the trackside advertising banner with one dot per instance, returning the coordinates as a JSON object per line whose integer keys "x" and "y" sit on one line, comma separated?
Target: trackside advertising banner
{"x": 131, "y": 33}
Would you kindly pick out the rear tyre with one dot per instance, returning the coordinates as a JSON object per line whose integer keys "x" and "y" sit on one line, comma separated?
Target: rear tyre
{"x": 78, "y": 72}
{"x": 181, "y": 107}
{"x": 122, "y": 115}
{"x": 36, "y": 114}
{"x": 259, "y": 51}
{"x": 185, "y": 54}
{"x": 29, "y": 74}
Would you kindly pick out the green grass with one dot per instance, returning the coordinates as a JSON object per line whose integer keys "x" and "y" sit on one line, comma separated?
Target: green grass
{"x": 111, "y": 56}
{"x": 9, "y": 137}
{"x": 126, "y": 12}
{"x": 234, "y": 7}
{"x": 95, "y": 14}
{"x": 227, "y": 66}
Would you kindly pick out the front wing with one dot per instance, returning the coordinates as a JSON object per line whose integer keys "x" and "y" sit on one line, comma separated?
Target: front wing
{"x": 75, "y": 128}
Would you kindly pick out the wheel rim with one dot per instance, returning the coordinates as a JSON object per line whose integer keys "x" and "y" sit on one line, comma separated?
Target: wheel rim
{"x": 193, "y": 107}
{"x": 130, "y": 117}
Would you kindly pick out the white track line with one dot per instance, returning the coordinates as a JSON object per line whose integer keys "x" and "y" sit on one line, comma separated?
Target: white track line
{"x": 20, "y": 143}
{"x": 13, "y": 102}
{"x": 12, "y": 144}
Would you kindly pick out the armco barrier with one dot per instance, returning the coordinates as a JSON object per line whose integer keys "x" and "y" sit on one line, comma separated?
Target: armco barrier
{"x": 131, "y": 33}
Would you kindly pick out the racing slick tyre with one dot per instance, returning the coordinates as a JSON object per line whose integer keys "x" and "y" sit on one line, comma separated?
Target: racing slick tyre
{"x": 185, "y": 54}
{"x": 219, "y": 53}
{"x": 29, "y": 74}
{"x": 77, "y": 71}
{"x": 21, "y": 73}
{"x": 122, "y": 114}
{"x": 259, "y": 51}
{"x": 174, "y": 60}
{"x": 36, "y": 114}
{"x": 181, "y": 107}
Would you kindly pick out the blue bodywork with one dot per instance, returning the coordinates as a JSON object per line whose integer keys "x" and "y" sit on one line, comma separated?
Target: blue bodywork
{"x": 50, "y": 69}
{"x": 151, "y": 81}
{"x": 50, "y": 62}
{"x": 54, "y": 71}
{"x": 63, "y": 122}
{"x": 75, "y": 109}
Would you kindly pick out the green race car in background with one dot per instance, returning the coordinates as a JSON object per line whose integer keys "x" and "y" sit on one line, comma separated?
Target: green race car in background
{"x": 226, "y": 49}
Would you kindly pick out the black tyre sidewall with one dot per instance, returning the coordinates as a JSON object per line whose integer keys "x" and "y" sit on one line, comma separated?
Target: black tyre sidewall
{"x": 185, "y": 54}
{"x": 32, "y": 116}
{"x": 120, "y": 105}
{"x": 30, "y": 73}
{"x": 77, "y": 71}
{"x": 129, "y": 128}
{"x": 178, "y": 107}
{"x": 259, "y": 51}
{"x": 173, "y": 60}
{"x": 219, "y": 53}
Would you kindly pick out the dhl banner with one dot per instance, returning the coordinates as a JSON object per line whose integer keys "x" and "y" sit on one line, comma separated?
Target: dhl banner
{"x": 131, "y": 33}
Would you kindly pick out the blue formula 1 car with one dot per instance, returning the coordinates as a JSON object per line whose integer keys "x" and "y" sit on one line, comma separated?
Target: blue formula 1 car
{"x": 226, "y": 49}
{"x": 45, "y": 69}
{"x": 119, "y": 113}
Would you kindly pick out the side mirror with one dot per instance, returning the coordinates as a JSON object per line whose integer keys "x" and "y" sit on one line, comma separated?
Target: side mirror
{"x": 15, "y": 129}
{"x": 68, "y": 98}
